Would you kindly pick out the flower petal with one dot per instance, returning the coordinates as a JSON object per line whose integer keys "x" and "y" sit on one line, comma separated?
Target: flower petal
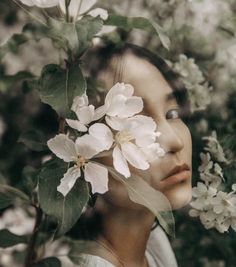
{"x": 134, "y": 156}
{"x": 133, "y": 105}
{"x": 63, "y": 147}
{"x": 68, "y": 180}
{"x": 86, "y": 5}
{"x": 77, "y": 125}
{"x": 120, "y": 163}
{"x": 40, "y": 3}
{"x": 88, "y": 146}
{"x": 115, "y": 123}
{"x": 97, "y": 176}
{"x": 119, "y": 88}
{"x": 85, "y": 114}
{"x": 104, "y": 135}
{"x": 79, "y": 102}
{"x": 99, "y": 112}
{"x": 73, "y": 7}
{"x": 117, "y": 104}
{"x": 102, "y": 13}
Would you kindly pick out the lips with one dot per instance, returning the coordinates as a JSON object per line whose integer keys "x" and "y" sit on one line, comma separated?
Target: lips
{"x": 177, "y": 175}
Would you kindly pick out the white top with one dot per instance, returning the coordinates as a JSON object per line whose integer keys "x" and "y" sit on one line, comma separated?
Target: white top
{"x": 159, "y": 253}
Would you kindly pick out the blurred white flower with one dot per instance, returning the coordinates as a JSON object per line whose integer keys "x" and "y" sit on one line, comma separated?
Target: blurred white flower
{"x": 41, "y": 3}
{"x": 214, "y": 147}
{"x": 81, "y": 152}
{"x": 206, "y": 164}
{"x": 17, "y": 221}
{"x": 194, "y": 81}
{"x": 77, "y": 8}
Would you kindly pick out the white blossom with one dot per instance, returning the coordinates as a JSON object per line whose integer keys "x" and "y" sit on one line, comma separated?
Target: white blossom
{"x": 85, "y": 113}
{"x": 41, "y": 3}
{"x": 80, "y": 153}
{"x": 120, "y": 102}
{"x": 77, "y": 8}
{"x": 133, "y": 138}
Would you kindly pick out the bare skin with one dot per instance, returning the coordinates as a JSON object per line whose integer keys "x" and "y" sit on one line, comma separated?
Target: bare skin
{"x": 127, "y": 225}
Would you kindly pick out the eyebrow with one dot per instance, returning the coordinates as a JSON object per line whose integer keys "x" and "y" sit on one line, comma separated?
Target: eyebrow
{"x": 171, "y": 96}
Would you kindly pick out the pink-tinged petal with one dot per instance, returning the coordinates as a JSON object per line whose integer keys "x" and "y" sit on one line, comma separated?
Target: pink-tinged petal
{"x": 99, "y": 112}
{"x": 103, "y": 134}
{"x": 77, "y": 125}
{"x": 97, "y": 176}
{"x": 63, "y": 147}
{"x": 120, "y": 163}
{"x": 102, "y": 13}
{"x": 115, "y": 123}
{"x": 85, "y": 114}
{"x": 68, "y": 180}
{"x": 79, "y": 102}
{"x": 134, "y": 156}
{"x": 88, "y": 146}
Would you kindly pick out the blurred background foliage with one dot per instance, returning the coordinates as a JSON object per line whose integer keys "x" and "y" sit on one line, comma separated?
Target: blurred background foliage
{"x": 201, "y": 29}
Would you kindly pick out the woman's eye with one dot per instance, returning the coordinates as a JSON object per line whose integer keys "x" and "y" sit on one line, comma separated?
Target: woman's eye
{"x": 173, "y": 114}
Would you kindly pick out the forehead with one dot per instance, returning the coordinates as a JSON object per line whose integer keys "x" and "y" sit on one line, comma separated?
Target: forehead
{"x": 147, "y": 80}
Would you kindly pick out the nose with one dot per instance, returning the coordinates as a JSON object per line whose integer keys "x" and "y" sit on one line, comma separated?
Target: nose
{"x": 170, "y": 139}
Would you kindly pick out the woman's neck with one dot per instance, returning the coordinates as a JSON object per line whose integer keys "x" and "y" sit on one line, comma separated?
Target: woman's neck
{"x": 125, "y": 233}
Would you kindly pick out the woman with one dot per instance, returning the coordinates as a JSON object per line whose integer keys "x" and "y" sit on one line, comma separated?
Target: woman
{"x": 122, "y": 229}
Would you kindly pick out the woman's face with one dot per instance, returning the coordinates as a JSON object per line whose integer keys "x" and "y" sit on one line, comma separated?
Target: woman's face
{"x": 175, "y": 138}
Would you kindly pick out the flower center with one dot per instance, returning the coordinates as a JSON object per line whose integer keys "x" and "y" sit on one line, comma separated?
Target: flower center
{"x": 80, "y": 162}
{"x": 123, "y": 137}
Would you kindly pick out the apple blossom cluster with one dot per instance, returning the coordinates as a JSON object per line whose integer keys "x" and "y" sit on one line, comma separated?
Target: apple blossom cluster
{"x": 76, "y": 8}
{"x": 194, "y": 81}
{"x": 116, "y": 128}
{"x": 215, "y": 208}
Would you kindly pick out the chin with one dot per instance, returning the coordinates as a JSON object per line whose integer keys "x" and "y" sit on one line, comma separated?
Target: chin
{"x": 179, "y": 195}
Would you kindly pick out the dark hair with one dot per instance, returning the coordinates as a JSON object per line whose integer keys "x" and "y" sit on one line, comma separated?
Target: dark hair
{"x": 97, "y": 60}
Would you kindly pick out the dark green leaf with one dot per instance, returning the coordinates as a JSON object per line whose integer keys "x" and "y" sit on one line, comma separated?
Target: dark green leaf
{"x": 8, "y": 239}
{"x": 58, "y": 87}
{"x": 142, "y": 193}
{"x": 86, "y": 28}
{"x": 34, "y": 140}
{"x": 67, "y": 209}
{"x": 141, "y": 23}
{"x": 9, "y": 195}
{"x": 12, "y": 44}
{"x": 48, "y": 262}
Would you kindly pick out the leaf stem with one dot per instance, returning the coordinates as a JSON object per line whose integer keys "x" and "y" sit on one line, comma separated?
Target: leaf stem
{"x": 31, "y": 255}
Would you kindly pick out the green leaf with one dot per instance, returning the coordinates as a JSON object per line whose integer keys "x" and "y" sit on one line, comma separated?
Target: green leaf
{"x": 8, "y": 239}
{"x": 142, "y": 193}
{"x": 9, "y": 195}
{"x": 141, "y": 23}
{"x": 12, "y": 44}
{"x": 34, "y": 140}
{"x": 48, "y": 262}
{"x": 58, "y": 87}
{"x": 87, "y": 28}
{"x": 67, "y": 209}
